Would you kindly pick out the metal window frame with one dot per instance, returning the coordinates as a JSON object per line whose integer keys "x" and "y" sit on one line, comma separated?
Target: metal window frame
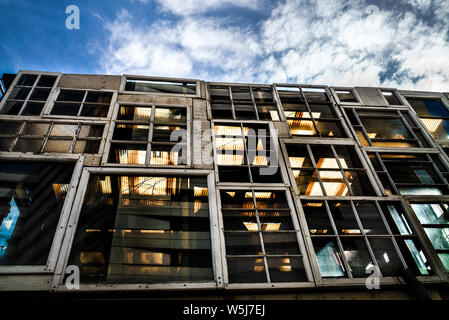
{"x": 59, "y": 286}
{"x": 52, "y": 122}
{"x": 125, "y": 77}
{"x": 274, "y": 141}
{"x": 109, "y": 141}
{"x": 351, "y": 90}
{"x": 339, "y": 120}
{"x": 437, "y": 277}
{"x": 299, "y": 235}
{"x": 251, "y": 87}
{"x": 395, "y": 93}
{"x": 14, "y": 83}
{"x": 53, "y": 254}
{"x": 54, "y": 96}
{"x": 299, "y": 141}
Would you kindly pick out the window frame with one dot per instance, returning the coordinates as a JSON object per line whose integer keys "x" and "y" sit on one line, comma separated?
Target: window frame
{"x": 352, "y": 90}
{"x": 275, "y": 140}
{"x": 299, "y": 235}
{"x": 46, "y": 102}
{"x": 49, "y": 267}
{"x": 251, "y": 87}
{"x": 67, "y": 242}
{"x": 126, "y": 77}
{"x": 109, "y": 141}
{"x": 54, "y": 96}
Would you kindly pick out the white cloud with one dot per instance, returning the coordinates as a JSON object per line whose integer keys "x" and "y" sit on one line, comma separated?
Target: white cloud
{"x": 304, "y": 41}
{"x": 189, "y": 7}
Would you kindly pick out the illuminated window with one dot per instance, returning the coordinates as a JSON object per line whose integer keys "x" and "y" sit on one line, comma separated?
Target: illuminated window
{"x": 82, "y": 103}
{"x": 353, "y": 234}
{"x": 150, "y": 135}
{"x": 435, "y": 116}
{"x": 242, "y": 102}
{"x": 434, "y": 217}
{"x": 29, "y": 94}
{"x": 246, "y": 153}
{"x": 32, "y": 198}
{"x": 411, "y": 174}
{"x": 50, "y": 136}
{"x": 144, "y": 229}
{"x": 321, "y": 170}
{"x": 310, "y": 112}
{"x": 391, "y": 129}
{"x": 260, "y": 237}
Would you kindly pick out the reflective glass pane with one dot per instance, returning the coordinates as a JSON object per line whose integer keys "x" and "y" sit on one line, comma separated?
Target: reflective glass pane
{"x": 357, "y": 255}
{"x": 386, "y": 256}
{"x": 344, "y": 218}
{"x": 431, "y": 213}
{"x": 280, "y": 243}
{"x": 370, "y": 217}
{"x": 138, "y": 132}
{"x": 329, "y": 258}
{"x": 286, "y": 269}
{"x": 242, "y": 243}
{"x": 439, "y": 237}
{"x": 246, "y": 270}
{"x": 317, "y": 218}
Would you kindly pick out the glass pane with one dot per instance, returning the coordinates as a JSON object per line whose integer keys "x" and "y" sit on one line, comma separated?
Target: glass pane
{"x": 62, "y": 130}
{"x": 330, "y": 129}
{"x": 317, "y": 218}
{"x": 348, "y": 157}
{"x": 40, "y": 94}
{"x": 82, "y": 146}
{"x": 287, "y": 269}
{"x": 169, "y": 133}
{"x": 444, "y": 257}
{"x": 302, "y": 127}
{"x": 329, "y": 258}
{"x": 46, "y": 81}
{"x": 28, "y": 145}
{"x": 128, "y": 154}
{"x": 428, "y": 107}
{"x": 221, "y": 110}
{"x": 131, "y": 132}
{"x": 359, "y": 183}
{"x": 19, "y": 93}
{"x": 60, "y": 146}
{"x": 246, "y": 270}
{"x": 280, "y": 243}
{"x": 134, "y": 113}
{"x": 307, "y": 182}
{"x": 66, "y": 109}
{"x": 334, "y": 183}
{"x": 236, "y": 220}
{"x": 35, "y": 129}
{"x": 31, "y": 201}
{"x": 99, "y": 97}
{"x": 71, "y": 95}
{"x": 12, "y": 107}
{"x": 159, "y": 86}
{"x": 386, "y": 256}
{"x": 27, "y": 79}
{"x": 244, "y": 111}
{"x": 168, "y": 115}
{"x": 357, "y": 255}
{"x": 370, "y": 217}
{"x": 439, "y": 237}
{"x": 344, "y": 218}
{"x": 33, "y": 109}
{"x": 242, "y": 243}
{"x": 91, "y": 131}
{"x": 237, "y": 200}
{"x": 233, "y": 174}
{"x": 271, "y": 200}
{"x": 5, "y": 144}
{"x": 396, "y": 218}
{"x": 94, "y": 111}
{"x": 168, "y": 155}
{"x": 276, "y": 220}
{"x": 9, "y": 127}
{"x": 431, "y": 213}
{"x": 415, "y": 257}
{"x": 142, "y": 229}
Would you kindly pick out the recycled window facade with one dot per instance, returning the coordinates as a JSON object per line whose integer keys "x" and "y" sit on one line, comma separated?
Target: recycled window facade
{"x": 82, "y": 103}
{"x": 434, "y": 218}
{"x": 260, "y": 237}
{"x": 310, "y": 112}
{"x": 351, "y": 237}
{"x": 144, "y": 229}
{"x": 434, "y": 114}
{"x": 328, "y": 170}
{"x": 390, "y": 129}
{"x": 150, "y": 135}
{"x": 243, "y": 102}
{"x": 246, "y": 152}
{"x": 410, "y": 174}
{"x": 42, "y": 136}
{"x": 29, "y": 94}
{"x": 161, "y": 85}
{"x": 31, "y": 200}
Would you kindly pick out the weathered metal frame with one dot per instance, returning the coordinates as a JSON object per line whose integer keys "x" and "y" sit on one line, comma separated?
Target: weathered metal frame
{"x": 49, "y": 267}
{"x": 57, "y": 282}
{"x": 162, "y": 79}
{"x": 13, "y": 84}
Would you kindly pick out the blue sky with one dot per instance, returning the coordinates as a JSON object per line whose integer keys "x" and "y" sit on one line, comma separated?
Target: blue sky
{"x": 393, "y": 43}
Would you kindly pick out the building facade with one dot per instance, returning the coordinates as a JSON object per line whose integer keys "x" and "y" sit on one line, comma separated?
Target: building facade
{"x": 186, "y": 187}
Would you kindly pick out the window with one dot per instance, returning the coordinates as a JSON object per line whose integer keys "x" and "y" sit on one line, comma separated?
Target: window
{"x": 326, "y": 170}
{"x": 434, "y": 115}
{"x": 260, "y": 237}
{"x": 391, "y": 129}
{"x": 50, "y": 136}
{"x": 310, "y": 112}
{"x": 242, "y": 102}
{"x": 391, "y": 97}
{"x": 346, "y": 96}
{"x": 150, "y": 135}
{"x": 29, "y": 94}
{"x": 351, "y": 237}
{"x": 246, "y": 153}
{"x": 434, "y": 217}
{"x": 144, "y": 229}
{"x": 161, "y": 85}
{"x": 82, "y": 103}
{"x": 410, "y": 174}
{"x": 31, "y": 201}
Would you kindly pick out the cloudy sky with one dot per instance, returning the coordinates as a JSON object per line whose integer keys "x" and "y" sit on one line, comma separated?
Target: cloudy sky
{"x": 393, "y": 43}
